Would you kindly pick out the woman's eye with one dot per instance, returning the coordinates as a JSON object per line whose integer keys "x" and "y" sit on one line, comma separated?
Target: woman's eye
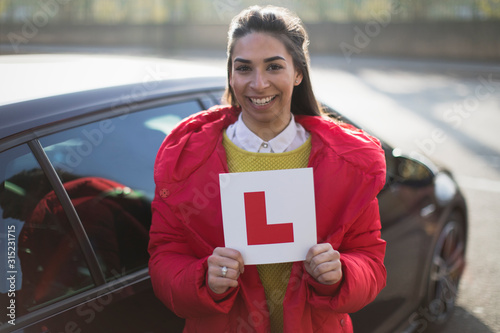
{"x": 243, "y": 68}
{"x": 274, "y": 67}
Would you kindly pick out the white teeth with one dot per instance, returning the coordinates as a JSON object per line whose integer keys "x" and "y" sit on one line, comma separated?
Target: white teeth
{"x": 262, "y": 101}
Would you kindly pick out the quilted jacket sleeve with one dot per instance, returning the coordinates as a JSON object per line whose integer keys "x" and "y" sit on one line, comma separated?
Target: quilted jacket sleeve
{"x": 362, "y": 254}
{"x": 349, "y": 173}
{"x": 177, "y": 274}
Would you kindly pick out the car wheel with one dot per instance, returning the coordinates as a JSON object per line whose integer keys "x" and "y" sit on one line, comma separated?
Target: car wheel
{"x": 447, "y": 265}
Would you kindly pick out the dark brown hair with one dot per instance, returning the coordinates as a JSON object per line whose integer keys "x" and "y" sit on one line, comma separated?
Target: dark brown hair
{"x": 288, "y": 28}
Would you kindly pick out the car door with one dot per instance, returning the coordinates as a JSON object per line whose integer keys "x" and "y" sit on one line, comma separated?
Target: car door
{"x": 77, "y": 204}
{"x": 408, "y": 215}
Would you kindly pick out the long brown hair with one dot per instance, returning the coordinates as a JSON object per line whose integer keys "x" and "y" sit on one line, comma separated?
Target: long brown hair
{"x": 288, "y": 28}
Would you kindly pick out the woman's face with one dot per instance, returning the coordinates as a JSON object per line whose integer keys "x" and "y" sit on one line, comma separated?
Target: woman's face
{"x": 262, "y": 78}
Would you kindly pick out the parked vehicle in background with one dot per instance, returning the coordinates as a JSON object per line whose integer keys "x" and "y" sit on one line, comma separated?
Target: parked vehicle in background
{"x": 78, "y": 140}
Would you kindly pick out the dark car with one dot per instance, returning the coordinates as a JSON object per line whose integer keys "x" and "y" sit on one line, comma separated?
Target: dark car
{"x": 76, "y": 183}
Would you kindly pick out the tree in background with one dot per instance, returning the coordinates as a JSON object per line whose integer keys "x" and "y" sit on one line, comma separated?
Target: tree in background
{"x": 221, "y": 11}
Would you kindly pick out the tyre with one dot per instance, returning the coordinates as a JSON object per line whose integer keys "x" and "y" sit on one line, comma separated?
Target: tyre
{"x": 448, "y": 262}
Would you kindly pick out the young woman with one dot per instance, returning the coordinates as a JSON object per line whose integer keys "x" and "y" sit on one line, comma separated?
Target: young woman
{"x": 273, "y": 122}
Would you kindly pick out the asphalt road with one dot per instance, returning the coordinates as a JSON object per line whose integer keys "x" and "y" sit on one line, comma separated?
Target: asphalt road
{"x": 451, "y": 112}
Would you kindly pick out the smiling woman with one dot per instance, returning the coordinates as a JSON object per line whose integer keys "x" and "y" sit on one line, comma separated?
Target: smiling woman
{"x": 293, "y": 38}
{"x": 273, "y": 122}
{"x": 263, "y": 78}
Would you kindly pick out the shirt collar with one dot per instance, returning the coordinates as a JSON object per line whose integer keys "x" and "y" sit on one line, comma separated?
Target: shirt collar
{"x": 251, "y": 142}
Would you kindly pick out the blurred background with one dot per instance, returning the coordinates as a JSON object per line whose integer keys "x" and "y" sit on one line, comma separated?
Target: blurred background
{"x": 422, "y": 74}
{"x": 456, "y": 29}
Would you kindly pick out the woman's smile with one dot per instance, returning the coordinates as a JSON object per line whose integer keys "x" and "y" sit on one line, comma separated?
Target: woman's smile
{"x": 262, "y": 101}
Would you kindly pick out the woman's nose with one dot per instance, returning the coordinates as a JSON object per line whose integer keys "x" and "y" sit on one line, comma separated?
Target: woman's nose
{"x": 259, "y": 81}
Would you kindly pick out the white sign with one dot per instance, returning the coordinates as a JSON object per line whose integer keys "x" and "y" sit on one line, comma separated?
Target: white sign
{"x": 269, "y": 216}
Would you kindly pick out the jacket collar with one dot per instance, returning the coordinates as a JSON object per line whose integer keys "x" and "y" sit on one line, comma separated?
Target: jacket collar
{"x": 198, "y": 137}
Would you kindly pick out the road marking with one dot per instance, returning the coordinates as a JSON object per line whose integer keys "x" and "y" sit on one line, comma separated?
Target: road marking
{"x": 481, "y": 184}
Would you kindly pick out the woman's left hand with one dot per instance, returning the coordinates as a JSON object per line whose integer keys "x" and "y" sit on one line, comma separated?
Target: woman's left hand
{"x": 323, "y": 264}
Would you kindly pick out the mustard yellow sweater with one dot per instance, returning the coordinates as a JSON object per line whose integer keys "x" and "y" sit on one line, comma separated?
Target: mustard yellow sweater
{"x": 274, "y": 277}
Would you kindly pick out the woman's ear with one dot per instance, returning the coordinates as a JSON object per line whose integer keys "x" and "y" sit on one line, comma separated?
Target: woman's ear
{"x": 298, "y": 78}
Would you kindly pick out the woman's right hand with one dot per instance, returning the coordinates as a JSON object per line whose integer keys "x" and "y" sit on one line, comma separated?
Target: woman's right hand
{"x": 233, "y": 261}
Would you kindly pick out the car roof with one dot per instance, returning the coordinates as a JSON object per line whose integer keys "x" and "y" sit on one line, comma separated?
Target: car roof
{"x": 32, "y": 76}
{"x": 80, "y": 84}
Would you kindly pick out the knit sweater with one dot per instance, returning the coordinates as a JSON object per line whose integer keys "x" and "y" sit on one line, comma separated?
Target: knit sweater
{"x": 274, "y": 277}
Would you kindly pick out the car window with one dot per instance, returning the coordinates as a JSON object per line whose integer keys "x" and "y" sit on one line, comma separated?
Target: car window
{"x": 218, "y": 97}
{"x": 41, "y": 261}
{"x": 107, "y": 170}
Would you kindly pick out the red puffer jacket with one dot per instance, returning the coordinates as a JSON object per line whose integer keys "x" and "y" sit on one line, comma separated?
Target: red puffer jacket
{"x": 349, "y": 171}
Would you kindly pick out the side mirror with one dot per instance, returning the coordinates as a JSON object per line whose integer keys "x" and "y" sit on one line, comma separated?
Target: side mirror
{"x": 408, "y": 171}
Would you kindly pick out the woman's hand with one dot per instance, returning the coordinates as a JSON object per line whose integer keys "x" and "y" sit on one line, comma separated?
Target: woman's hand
{"x": 323, "y": 264}
{"x": 220, "y": 279}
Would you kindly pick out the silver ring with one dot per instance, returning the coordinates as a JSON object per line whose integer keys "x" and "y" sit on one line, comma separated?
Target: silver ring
{"x": 224, "y": 271}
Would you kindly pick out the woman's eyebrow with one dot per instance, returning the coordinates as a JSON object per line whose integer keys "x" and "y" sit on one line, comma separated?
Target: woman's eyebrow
{"x": 245, "y": 61}
{"x": 270, "y": 59}
{"x": 274, "y": 58}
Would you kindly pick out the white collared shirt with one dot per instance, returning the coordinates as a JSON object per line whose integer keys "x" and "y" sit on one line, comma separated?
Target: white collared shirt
{"x": 292, "y": 137}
